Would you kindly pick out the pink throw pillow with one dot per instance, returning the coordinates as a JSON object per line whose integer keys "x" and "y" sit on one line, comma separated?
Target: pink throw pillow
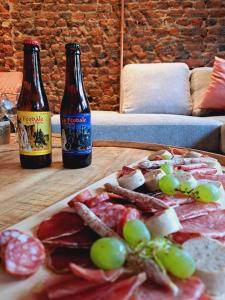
{"x": 214, "y": 98}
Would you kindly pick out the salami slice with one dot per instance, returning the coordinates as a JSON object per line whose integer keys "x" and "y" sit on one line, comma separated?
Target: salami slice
{"x": 61, "y": 224}
{"x": 6, "y": 236}
{"x": 60, "y": 258}
{"x": 80, "y": 240}
{"x": 97, "y": 275}
{"x": 110, "y": 215}
{"x": 195, "y": 209}
{"x": 23, "y": 255}
{"x": 97, "y": 199}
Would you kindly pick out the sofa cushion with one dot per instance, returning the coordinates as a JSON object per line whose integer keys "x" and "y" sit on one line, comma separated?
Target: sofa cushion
{"x": 199, "y": 79}
{"x": 156, "y": 88}
{"x": 186, "y": 131}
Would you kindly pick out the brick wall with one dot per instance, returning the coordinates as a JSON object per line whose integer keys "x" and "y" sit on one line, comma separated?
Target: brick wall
{"x": 192, "y": 31}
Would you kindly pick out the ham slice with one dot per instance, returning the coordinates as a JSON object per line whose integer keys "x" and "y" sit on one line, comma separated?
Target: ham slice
{"x": 96, "y": 275}
{"x": 195, "y": 209}
{"x": 61, "y": 224}
{"x": 211, "y": 225}
{"x": 189, "y": 289}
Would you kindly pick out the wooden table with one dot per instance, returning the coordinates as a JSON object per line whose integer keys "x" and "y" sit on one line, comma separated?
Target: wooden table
{"x": 25, "y": 192}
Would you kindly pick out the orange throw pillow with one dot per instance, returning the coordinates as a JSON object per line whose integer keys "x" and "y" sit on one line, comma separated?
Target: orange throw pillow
{"x": 214, "y": 98}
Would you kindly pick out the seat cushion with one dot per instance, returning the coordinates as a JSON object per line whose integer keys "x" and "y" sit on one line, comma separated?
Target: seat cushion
{"x": 156, "y": 88}
{"x": 185, "y": 131}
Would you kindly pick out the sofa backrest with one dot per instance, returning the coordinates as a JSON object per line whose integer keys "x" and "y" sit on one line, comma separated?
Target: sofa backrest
{"x": 156, "y": 88}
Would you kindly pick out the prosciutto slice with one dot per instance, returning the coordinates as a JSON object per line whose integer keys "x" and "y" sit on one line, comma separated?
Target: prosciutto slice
{"x": 220, "y": 177}
{"x": 81, "y": 240}
{"x": 175, "y": 200}
{"x": 60, "y": 258}
{"x": 191, "y": 167}
{"x": 96, "y": 275}
{"x": 211, "y": 225}
{"x": 196, "y": 209}
{"x": 206, "y": 171}
{"x": 61, "y": 224}
{"x": 121, "y": 290}
{"x": 189, "y": 289}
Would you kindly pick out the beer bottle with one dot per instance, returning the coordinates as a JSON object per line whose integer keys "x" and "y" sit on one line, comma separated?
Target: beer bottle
{"x": 33, "y": 113}
{"x": 75, "y": 114}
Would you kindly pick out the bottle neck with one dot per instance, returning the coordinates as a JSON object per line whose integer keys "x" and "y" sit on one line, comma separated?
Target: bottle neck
{"x": 74, "y": 82}
{"x": 32, "y": 70}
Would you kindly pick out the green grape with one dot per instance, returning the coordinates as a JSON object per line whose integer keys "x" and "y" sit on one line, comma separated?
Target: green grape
{"x": 168, "y": 184}
{"x": 135, "y": 231}
{"x": 177, "y": 261}
{"x": 167, "y": 156}
{"x": 108, "y": 253}
{"x": 168, "y": 169}
{"x": 187, "y": 186}
{"x": 207, "y": 192}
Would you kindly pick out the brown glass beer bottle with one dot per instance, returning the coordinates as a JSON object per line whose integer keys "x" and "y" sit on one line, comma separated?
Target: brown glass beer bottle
{"x": 33, "y": 113}
{"x": 75, "y": 114}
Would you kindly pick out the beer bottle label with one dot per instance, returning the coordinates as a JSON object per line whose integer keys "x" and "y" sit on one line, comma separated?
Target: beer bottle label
{"x": 34, "y": 132}
{"x": 76, "y": 134}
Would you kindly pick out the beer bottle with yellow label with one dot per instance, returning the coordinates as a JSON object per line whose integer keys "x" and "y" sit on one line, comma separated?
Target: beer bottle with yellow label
{"x": 33, "y": 113}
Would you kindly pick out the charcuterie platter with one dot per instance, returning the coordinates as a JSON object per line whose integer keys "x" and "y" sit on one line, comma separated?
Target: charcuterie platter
{"x": 168, "y": 204}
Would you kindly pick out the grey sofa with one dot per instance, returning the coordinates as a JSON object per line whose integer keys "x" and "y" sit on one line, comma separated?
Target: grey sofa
{"x": 156, "y": 106}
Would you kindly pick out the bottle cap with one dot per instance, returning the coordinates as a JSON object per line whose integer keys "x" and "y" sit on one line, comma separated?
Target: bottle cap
{"x": 73, "y": 46}
{"x": 31, "y": 42}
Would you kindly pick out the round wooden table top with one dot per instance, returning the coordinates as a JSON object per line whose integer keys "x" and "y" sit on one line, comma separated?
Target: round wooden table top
{"x": 25, "y": 192}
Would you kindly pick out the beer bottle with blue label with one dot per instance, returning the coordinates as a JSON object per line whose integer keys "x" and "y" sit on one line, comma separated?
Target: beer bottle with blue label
{"x": 75, "y": 115}
{"x": 33, "y": 113}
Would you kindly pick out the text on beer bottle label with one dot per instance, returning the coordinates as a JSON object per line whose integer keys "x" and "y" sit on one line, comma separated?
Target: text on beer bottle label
{"x": 76, "y": 134}
{"x": 34, "y": 132}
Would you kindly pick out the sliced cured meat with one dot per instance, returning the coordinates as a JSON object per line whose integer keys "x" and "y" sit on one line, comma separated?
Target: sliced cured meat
{"x": 110, "y": 215}
{"x": 176, "y": 199}
{"x": 96, "y": 275}
{"x": 121, "y": 289}
{"x": 60, "y": 258}
{"x": 181, "y": 237}
{"x": 6, "y": 236}
{"x": 189, "y": 289}
{"x": 125, "y": 171}
{"x": 80, "y": 240}
{"x": 206, "y": 171}
{"x": 191, "y": 167}
{"x": 94, "y": 222}
{"x": 205, "y": 297}
{"x": 144, "y": 202}
{"x": 83, "y": 196}
{"x": 178, "y": 151}
{"x": 211, "y": 225}
{"x": 130, "y": 213}
{"x": 23, "y": 255}
{"x": 220, "y": 178}
{"x": 195, "y": 209}
{"x": 97, "y": 199}
{"x": 68, "y": 287}
{"x": 61, "y": 224}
